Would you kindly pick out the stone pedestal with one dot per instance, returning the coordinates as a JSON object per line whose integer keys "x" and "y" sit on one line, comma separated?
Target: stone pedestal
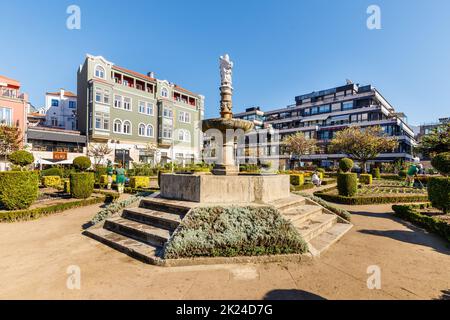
{"x": 224, "y": 189}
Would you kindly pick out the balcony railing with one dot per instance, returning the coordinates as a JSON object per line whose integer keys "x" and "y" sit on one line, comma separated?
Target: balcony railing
{"x": 11, "y": 93}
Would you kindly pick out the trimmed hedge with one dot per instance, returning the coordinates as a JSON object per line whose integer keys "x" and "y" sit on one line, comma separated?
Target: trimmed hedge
{"x": 139, "y": 182}
{"x": 388, "y": 176}
{"x": 369, "y": 200}
{"x": 347, "y": 184}
{"x": 24, "y": 215}
{"x": 82, "y": 163}
{"x": 51, "y": 181}
{"x": 52, "y": 172}
{"x": 81, "y": 185}
{"x": 346, "y": 164}
{"x": 297, "y": 179}
{"x": 305, "y": 186}
{"x": 234, "y": 231}
{"x": 67, "y": 186}
{"x": 403, "y": 173}
{"x": 365, "y": 178}
{"x": 18, "y": 189}
{"x": 441, "y": 163}
{"x": 376, "y": 173}
{"x": 431, "y": 224}
{"x": 439, "y": 193}
{"x": 21, "y": 158}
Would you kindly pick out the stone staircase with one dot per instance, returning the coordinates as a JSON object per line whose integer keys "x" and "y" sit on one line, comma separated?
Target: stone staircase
{"x": 319, "y": 227}
{"x": 141, "y": 232}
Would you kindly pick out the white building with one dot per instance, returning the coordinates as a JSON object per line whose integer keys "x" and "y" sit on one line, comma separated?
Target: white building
{"x": 60, "y": 110}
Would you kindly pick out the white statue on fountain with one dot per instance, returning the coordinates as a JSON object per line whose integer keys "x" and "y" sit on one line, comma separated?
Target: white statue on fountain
{"x": 226, "y": 71}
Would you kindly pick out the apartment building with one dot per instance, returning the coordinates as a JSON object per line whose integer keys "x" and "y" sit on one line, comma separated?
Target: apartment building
{"x": 321, "y": 114}
{"x": 13, "y": 104}
{"x": 60, "y": 110}
{"x": 131, "y": 111}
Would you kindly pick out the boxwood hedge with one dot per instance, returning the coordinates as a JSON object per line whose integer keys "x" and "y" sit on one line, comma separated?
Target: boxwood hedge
{"x": 18, "y": 189}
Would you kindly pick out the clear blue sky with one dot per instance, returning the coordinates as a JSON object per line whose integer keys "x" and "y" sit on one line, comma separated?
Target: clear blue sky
{"x": 280, "y": 48}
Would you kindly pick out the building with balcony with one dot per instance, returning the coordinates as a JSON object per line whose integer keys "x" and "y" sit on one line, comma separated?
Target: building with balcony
{"x": 60, "y": 110}
{"x": 13, "y": 104}
{"x": 131, "y": 111}
{"x": 321, "y": 114}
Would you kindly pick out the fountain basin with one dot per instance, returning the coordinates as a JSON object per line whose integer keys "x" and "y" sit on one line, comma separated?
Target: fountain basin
{"x": 223, "y": 125}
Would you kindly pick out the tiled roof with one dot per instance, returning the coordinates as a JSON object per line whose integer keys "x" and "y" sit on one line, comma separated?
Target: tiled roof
{"x": 9, "y": 81}
{"x": 66, "y": 94}
{"x": 137, "y": 74}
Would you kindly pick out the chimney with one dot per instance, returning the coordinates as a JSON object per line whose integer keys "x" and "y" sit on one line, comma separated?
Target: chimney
{"x": 151, "y": 74}
{"x": 61, "y": 93}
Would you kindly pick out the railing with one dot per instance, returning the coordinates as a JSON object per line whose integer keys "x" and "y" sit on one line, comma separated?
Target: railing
{"x": 11, "y": 93}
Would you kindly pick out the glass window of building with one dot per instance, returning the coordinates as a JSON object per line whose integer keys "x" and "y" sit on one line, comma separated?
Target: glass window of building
{"x": 117, "y": 101}
{"x": 141, "y": 107}
{"x": 347, "y": 105}
{"x": 98, "y": 95}
{"x": 141, "y": 130}
{"x": 106, "y": 97}
{"x": 150, "y": 108}
{"x": 6, "y": 116}
{"x": 72, "y": 104}
{"x": 117, "y": 126}
{"x": 164, "y": 92}
{"x": 55, "y": 103}
{"x": 127, "y": 103}
{"x": 100, "y": 72}
{"x": 127, "y": 127}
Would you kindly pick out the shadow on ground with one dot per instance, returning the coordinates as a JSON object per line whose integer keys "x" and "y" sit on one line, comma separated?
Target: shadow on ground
{"x": 291, "y": 294}
{"x": 445, "y": 295}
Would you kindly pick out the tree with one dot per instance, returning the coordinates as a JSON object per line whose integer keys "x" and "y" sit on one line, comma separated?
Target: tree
{"x": 299, "y": 145}
{"x": 99, "y": 152}
{"x": 437, "y": 141}
{"x": 10, "y": 140}
{"x": 152, "y": 149}
{"x": 362, "y": 144}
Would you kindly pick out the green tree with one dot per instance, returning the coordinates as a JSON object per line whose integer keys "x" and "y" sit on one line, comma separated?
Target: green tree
{"x": 362, "y": 144}
{"x": 21, "y": 158}
{"x": 437, "y": 141}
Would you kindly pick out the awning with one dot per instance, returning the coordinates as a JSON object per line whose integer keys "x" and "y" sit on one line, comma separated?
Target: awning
{"x": 52, "y": 162}
{"x": 315, "y": 118}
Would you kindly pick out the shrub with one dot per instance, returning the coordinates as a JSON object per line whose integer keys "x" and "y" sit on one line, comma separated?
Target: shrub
{"x": 376, "y": 173}
{"x": 336, "y": 210}
{"x": 51, "y": 181}
{"x": 18, "y": 189}
{"x": 81, "y": 185}
{"x": 441, "y": 163}
{"x": 99, "y": 171}
{"x": 408, "y": 213}
{"x": 402, "y": 173}
{"x": 305, "y": 186}
{"x": 347, "y": 184}
{"x": 346, "y": 164}
{"x": 320, "y": 170}
{"x": 234, "y": 231}
{"x": 21, "y": 158}
{"x": 52, "y": 172}
{"x": 388, "y": 176}
{"x": 82, "y": 163}
{"x": 365, "y": 178}
{"x": 139, "y": 182}
{"x": 439, "y": 193}
{"x": 67, "y": 186}
{"x": 362, "y": 200}
{"x": 297, "y": 179}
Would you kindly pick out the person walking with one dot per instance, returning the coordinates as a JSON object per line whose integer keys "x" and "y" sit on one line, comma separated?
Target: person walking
{"x": 120, "y": 178}
{"x": 411, "y": 174}
{"x": 109, "y": 173}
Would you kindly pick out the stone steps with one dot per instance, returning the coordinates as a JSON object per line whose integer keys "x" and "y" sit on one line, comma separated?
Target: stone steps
{"x": 291, "y": 202}
{"x": 301, "y": 213}
{"x": 156, "y": 218}
{"x": 314, "y": 226}
{"x": 322, "y": 242}
{"x": 142, "y": 251}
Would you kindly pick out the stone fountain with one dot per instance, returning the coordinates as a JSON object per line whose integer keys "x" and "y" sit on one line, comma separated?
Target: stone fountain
{"x": 225, "y": 185}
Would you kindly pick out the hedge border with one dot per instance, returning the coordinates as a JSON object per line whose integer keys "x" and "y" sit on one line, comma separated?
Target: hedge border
{"x": 368, "y": 200}
{"x": 33, "y": 214}
{"x": 431, "y": 224}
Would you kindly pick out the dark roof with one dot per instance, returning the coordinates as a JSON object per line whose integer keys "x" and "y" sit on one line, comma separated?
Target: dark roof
{"x": 59, "y": 136}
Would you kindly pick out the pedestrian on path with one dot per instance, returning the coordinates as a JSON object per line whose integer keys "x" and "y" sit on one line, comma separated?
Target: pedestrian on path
{"x": 120, "y": 178}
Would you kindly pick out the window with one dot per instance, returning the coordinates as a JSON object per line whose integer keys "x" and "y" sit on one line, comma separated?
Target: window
{"x": 141, "y": 107}
{"x": 184, "y": 135}
{"x": 100, "y": 72}
{"x": 6, "y": 116}
{"x": 141, "y": 129}
{"x": 164, "y": 92}
{"x": 347, "y": 105}
{"x": 98, "y": 95}
{"x": 101, "y": 121}
{"x": 184, "y": 117}
{"x": 117, "y": 126}
{"x": 149, "y": 130}
{"x": 72, "y": 104}
{"x": 149, "y": 108}
{"x": 127, "y": 127}
{"x": 325, "y": 108}
{"x": 55, "y": 103}
{"x": 106, "y": 97}
{"x": 118, "y": 102}
{"x": 167, "y": 132}
{"x": 167, "y": 112}
{"x": 54, "y": 121}
{"x": 127, "y": 103}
